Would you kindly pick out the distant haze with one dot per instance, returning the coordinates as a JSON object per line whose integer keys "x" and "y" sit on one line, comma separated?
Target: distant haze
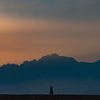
{"x": 30, "y": 29}
{"x": 65, "y": 74}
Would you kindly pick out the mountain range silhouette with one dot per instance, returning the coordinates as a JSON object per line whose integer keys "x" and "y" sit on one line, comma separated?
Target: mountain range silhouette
{"x": 49, "y": 67}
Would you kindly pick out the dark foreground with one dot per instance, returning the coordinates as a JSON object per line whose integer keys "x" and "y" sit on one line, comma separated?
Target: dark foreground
{"x": 49, "y": 97}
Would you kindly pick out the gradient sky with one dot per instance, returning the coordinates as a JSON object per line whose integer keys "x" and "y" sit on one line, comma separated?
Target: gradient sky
{"x": 30, "y": 29}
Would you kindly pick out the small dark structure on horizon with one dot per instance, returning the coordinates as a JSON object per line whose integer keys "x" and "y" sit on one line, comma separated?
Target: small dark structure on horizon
{"x": 51, "y": 90}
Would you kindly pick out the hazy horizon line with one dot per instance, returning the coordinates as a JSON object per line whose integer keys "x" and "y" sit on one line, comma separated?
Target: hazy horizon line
{"x": 49, "y": 55}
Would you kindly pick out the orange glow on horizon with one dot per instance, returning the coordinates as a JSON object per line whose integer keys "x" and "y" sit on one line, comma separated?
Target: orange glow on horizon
{"x": 28, "y": 39}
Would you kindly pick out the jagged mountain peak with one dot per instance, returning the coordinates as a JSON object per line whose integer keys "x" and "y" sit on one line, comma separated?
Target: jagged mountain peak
{"x": 50, "y": 57}
{"x": 55, "y": 58}
{"x": 54, "y": 55}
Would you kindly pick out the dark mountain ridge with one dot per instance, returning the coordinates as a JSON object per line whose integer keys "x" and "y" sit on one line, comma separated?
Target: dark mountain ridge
{"x": 49, "y": 67}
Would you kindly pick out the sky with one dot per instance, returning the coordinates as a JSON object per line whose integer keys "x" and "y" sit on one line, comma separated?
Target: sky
{"x": 30, "y": 29}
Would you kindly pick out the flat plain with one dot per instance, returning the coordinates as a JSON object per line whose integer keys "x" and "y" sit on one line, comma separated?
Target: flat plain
{"x": 49, "y": 97}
